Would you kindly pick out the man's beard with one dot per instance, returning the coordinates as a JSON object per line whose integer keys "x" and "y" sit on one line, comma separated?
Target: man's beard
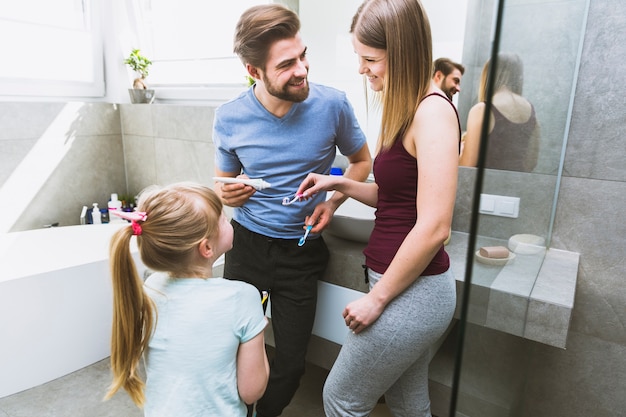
{"x": 284, "y": 94}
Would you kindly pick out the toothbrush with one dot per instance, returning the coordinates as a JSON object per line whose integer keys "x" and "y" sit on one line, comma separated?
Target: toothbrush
{"x": 257, "y": 183}
{"x": 287, "y": 201}
{"x": 306, "y": 233}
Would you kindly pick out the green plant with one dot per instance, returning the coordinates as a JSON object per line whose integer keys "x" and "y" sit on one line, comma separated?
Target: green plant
{"x": 140, "y": 64}
{"x": 249, "y": 80}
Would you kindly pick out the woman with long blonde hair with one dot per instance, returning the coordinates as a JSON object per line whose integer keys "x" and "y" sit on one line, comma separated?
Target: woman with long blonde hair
{"x": 201, "y": 336}
{"x": 513, "y": 130}
{"x": 412, "y": 293}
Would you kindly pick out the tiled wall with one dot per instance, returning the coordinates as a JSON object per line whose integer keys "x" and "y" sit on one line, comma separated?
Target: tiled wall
{"x": 55, "y": 158}
{"x": 167, "y": 143}
{"x": 61, "y": 156}
{"x": 588, "y": 378}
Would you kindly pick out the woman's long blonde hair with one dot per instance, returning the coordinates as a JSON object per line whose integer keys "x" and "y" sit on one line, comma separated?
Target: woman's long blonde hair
{"x": 509, "y": 73}
{"x": 178, "y": 218}
{"x": 402, "y": 29}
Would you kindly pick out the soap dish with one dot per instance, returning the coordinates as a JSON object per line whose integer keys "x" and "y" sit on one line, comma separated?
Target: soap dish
{"x": 494, "y": 261}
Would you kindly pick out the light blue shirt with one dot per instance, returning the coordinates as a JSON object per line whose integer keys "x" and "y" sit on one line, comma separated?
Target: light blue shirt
{"x": 282, "y": 151}
{"x": 191, "y": 361}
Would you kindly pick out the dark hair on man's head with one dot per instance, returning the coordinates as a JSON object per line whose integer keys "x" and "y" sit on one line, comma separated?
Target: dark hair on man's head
{"x": 446, "y": 66}
{"x": 259, "y": 27}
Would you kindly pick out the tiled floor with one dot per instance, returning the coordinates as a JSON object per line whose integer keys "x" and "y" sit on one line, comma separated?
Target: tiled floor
{"x": 80, "y": 395}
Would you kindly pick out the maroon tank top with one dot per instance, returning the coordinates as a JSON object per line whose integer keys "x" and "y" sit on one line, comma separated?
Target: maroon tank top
{"x": 395, "y": 172}
{"x": 510, "y": 144}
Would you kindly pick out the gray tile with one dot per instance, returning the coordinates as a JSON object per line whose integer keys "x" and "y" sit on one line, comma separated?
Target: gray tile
{"x": 586, "y": 379}
{"x": 184, "y": 160}
{"x": 65, "y": 176}
{"x": 27, "y": 120}
{"x": 140, "y": 160}
{"x": 596, "y": 144}
{"x": 183, "y": 122}
{"x": 12, "y": 152}
{"x": 136, "y": 119}
{"x": 589, "y": 221}
{"x": 78, "y": 394}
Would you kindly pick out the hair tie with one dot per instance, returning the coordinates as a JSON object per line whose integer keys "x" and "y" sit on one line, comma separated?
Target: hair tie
{"x": 136, "y": 228}
{"x": 134, "y": 217}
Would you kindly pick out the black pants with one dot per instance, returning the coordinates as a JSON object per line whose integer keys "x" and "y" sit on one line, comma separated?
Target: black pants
{"x": 289, "y": 273}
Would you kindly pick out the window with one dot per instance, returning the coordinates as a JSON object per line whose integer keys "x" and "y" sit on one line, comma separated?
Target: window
{"x": 50, "y": 48}
{"x": 190, "y": 41}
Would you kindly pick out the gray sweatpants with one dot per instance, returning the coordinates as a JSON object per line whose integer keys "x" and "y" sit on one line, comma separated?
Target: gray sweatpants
{"x": 391, "y": 356}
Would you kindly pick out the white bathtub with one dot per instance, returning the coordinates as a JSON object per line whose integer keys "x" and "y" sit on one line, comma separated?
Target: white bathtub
{"x": 55, "y": 303}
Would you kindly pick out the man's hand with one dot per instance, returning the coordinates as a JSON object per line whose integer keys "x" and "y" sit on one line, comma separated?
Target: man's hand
{"x": 234, "y": 195}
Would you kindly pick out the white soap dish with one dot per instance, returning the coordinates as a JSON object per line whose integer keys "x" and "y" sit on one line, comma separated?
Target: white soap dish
{"x": 494, "y": 261}
{"x": 525, "y": 244}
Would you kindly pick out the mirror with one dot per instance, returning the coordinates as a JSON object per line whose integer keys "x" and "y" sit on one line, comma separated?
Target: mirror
{"x": 332, "y": 57}
{"x": 548, "y": 49}
{"x": 465, "y": 35}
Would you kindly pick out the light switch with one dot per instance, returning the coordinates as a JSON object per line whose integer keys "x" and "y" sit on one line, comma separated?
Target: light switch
{"x": 487, "y": 204}
{"x": 507, "y": 208}
{"x": 499, "y": 205}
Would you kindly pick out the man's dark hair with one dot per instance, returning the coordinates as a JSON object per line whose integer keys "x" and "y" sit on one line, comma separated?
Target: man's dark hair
{"x": 259, "y": 27}
{"x": 446, "y": 66}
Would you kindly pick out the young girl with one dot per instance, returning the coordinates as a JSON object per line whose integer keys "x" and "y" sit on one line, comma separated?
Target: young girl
{"x": 412, "y": 293}
{"x": 201, "y": 337}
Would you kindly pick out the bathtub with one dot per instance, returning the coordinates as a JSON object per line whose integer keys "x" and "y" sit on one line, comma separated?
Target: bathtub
{"x": 55, "y": 303}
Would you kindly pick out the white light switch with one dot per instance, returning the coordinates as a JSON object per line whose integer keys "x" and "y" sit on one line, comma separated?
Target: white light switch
{"x": 499, "y": 205}
{"x": 487, "y": 204}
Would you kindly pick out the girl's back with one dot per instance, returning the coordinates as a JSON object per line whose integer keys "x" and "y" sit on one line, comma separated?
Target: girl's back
{"x": 191, "y": 358}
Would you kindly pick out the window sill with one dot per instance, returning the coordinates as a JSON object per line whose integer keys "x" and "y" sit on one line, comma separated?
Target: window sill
{"x": 200, "y": 95}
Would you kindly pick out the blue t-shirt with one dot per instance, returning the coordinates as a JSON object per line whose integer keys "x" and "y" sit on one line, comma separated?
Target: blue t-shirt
{"x": 191, "y": 360}
{"x": 283, "y": 151}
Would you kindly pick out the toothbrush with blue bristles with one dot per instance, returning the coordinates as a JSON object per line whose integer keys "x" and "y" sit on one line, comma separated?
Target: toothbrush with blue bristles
{"x": 306, "y": 233}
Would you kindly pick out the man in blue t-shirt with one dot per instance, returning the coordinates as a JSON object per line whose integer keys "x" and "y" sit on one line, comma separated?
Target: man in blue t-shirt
{"x": 279, "y": 130}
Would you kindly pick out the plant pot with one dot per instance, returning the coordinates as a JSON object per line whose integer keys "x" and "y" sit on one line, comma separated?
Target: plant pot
{"x": 141, "y": 95}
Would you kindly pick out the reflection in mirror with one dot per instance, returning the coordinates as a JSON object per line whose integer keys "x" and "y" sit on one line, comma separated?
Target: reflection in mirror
{"x": 513, "y": 130}
{"x": 548, "y": 45}
{"x": 546, "y": 36}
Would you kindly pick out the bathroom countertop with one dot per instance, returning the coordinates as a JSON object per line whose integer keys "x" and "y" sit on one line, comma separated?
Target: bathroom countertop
{"x": 532, "y": 296}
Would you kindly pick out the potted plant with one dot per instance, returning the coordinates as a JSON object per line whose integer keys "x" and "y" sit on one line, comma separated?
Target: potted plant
{"x": 140, "y": 93}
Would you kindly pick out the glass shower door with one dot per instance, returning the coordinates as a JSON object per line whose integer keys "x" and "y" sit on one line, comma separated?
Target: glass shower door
{"x": 537, "y": 45}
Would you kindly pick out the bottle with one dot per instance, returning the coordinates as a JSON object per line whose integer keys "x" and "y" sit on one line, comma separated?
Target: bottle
{"x": 114, "y": 204}
{"x": 95, "y": 214}
{"x": 83, "y": 215}
{"x": 104, "y": 216}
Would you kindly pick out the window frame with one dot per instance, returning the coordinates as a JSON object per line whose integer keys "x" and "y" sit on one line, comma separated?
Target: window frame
{"x": 28, "y": 88}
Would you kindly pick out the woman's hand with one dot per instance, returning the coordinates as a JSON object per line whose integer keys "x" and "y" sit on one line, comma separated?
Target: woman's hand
{"x": 314, "y": 183}
{"x": 362, "y": 312}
